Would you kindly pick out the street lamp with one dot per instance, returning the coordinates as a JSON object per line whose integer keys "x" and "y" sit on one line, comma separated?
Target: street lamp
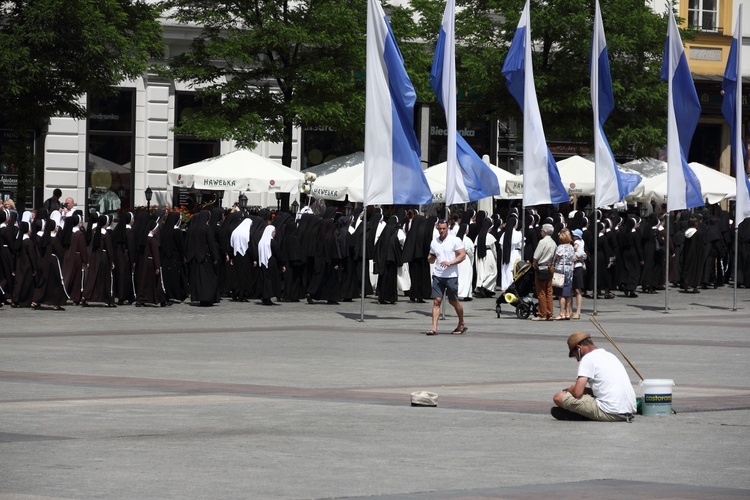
{"x": 148, "y": 194}
{"x": 295, "y": 206}
{"x": 219, "y": 197}
{"x": 278, "y": 201}
{"x": 199, "y": 198}
{"x": 243, "y": 201}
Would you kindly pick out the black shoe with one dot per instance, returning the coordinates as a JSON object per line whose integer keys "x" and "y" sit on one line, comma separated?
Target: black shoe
{"x": 309, "y": 298}
{"x": 563, "y": 414}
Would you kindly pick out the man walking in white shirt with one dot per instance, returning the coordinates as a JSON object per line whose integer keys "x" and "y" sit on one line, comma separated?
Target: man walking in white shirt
{"x": 446, "y": 252}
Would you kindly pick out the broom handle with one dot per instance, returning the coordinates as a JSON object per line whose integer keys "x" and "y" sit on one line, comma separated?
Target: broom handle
{"x": 606, "y": 335}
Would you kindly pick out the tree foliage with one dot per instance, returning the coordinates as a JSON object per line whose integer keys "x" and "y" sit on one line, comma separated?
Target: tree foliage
{"x": 52, "y": 52}
{"x": 262, "y": 67}
{"x": 561, "y": 35}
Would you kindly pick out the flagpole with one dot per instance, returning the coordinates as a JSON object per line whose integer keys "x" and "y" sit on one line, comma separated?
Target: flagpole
{"x": 523, "y": 232}
{"x": 364, "y": 264}
{"x": 736, "y": 249}
{"x": 596, "y": 257}
{"x": 666, "y": 266}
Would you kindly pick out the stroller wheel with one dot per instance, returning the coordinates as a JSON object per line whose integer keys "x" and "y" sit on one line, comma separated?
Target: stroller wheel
{"x": 523, "y": 311}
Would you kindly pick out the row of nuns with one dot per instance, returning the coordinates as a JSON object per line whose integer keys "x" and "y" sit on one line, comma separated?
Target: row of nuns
{"x": 47, "y": 261}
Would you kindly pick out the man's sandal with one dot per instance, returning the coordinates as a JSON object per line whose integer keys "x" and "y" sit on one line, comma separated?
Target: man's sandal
{"x": 431, "y": 332}
{"x": 460, "y": 330}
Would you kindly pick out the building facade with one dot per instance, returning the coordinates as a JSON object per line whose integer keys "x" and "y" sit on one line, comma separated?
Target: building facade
{"x": 127, "y": 144}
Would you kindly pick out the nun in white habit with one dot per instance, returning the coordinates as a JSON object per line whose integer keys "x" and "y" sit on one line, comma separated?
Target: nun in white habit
{"x": 241, "y": 260}
{"x": 268, "y": 250}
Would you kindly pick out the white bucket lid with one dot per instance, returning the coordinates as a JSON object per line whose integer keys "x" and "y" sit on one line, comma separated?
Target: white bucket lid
{"x": 658, "y": 381}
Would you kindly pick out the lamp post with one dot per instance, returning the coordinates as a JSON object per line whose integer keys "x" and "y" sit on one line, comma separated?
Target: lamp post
{"x": 219, "y": 197}
{"x": 148, "y": 194}
{"x": 243, "y": 201}
{"x": 199, "y": 198}
{"x": 278, "y": 201}
{"x": 295, "y": 206}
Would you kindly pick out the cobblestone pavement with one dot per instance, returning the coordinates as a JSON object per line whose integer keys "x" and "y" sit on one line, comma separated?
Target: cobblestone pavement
{"x": 307, "y": 401}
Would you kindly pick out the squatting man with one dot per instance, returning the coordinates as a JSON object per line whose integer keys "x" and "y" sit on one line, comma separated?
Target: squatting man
{"x": 610, "y": 396}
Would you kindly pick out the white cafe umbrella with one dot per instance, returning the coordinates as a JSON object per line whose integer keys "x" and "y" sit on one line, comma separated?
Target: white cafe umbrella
{"x": 343, "y": 182}
{"x": 331, "y": 166}
{"x": 239, "y": 170}
{"x": 344, "y": 176}
{"x": 715, "y": 186}
{"x": 435, "y": 176}
{"x": 577, "y": 173}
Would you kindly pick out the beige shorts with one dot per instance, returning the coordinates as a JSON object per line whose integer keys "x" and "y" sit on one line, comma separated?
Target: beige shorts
{"x": 586, "y": 406}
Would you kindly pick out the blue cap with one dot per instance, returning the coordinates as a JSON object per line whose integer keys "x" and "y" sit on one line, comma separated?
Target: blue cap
{"x": 578, "y": 233}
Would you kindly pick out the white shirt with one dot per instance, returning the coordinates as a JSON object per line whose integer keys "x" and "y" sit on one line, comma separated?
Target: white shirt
{"x": 445, "y": 251}
{"x": 608, "y": 381}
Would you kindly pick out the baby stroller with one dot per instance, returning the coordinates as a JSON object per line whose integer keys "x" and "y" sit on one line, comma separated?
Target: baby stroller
{"x": 520, "y": 293}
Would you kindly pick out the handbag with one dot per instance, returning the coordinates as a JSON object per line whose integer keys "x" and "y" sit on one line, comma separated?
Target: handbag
{"x": 558, "y": 280}
{"x": 543, "y": 273}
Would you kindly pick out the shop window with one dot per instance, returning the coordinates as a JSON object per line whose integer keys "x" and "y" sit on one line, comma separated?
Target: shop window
{"x": 189, "y": 149}
{"x": 109, "y": 165}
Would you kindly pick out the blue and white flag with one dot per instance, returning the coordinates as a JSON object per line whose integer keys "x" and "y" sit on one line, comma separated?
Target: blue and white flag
{"x": 467, "y": 177}
{"x": 684, "y": 110}
{"x": 611, "y": 185}
{"x": 393, "y": 170}
{"x": 541, "y": 179}
{"x": 731, "y": 108}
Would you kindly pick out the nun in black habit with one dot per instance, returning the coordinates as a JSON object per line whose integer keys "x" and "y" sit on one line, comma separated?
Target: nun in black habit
{"x": 150, "y": 286}
{"x": 349, "y": 281}
{"x": 172, "y": 250}
{"x": 629, "y": 242}
{"x": 291, "y": 256}
{"x": 50, "y": 288}
{"x": 652, "y": 241}
{"x": 98, "y": 286}
{"x": 241, "y": 260}
{"x": 413, "y": 253}
{"x": 6, "y": 258}
{"x": 326, "y": 282}
{"x": 358, "y": 246}
{"x": 694, "y": 256}
{"x": 25, "y": 268}
{"x": 125, "y": 252}
{"x": 268, "y": 252}
{"x": 202, "y": 257}
{"x": 388, "y": 258}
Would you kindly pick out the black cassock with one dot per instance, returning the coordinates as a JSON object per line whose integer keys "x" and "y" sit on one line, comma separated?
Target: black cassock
{"x": 202, "y": 256}
{"x": 26, "y": 268}
{"x": 98, "y": 286}
{"x": 693, "y": 259}
{"x": 149, "y": 281}
{"x": 172, "y": 248}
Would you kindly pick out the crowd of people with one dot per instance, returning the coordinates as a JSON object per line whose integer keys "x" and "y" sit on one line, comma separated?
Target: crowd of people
{"x": 54, "y": 256}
